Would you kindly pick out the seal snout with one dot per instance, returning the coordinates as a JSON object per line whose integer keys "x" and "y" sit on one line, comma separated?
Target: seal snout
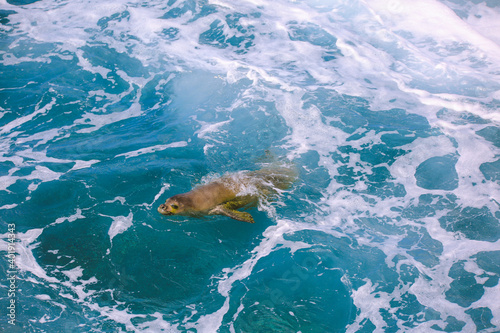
{"x": 162, "y": 209}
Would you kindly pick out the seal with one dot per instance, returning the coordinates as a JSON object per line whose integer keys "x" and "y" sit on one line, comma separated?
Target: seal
{"x": 223, "y": 196}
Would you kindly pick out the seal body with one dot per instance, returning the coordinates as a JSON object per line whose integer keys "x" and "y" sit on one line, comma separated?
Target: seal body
{"x": 225, "y": 195}
{"x": 201, "y": 199}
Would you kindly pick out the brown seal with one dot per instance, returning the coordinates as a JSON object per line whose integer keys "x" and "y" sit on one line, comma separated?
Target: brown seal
{"x": 225, "y": 195}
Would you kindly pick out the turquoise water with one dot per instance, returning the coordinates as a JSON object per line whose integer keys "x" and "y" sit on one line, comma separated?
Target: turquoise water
{"x": 389, "y": 110}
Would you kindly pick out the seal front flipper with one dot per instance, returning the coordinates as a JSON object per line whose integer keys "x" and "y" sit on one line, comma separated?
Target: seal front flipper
{"x": 232, "y": 213}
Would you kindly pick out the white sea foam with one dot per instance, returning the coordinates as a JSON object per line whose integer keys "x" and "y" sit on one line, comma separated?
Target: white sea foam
{"x": 484, "y": 20}
{"x": 273, "y": 239}
{"x": 120, "y": 225}
{"x": 40, "y": 173}
{"x": 153, "y": 149}
{"x": 22, "y": 120}
{"x": 74, "y": 274}
{"x": 438, "y": 21}
{"x": 157, "y": 325}
{"x": 207, "y": 128}
{"x": 309, "y": 132}
{"x": 72, "y": 218}
{"x": 8, "y": 206}
{"x": 43, "y": 297}
{"x": 404, "y": 168}
{"x": 25, "y": 260}
{"x": 121, "y": 200}
{"x": 158, "y": 195}
{"x": 98, "y": 121}
{"x": 374, "y": 46}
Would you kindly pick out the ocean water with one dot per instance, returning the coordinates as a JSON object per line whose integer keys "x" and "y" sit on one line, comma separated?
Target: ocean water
{"x": 388, "y": 109}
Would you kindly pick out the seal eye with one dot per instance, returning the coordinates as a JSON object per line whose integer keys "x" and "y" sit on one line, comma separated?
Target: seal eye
{"x": 174, "y": 206}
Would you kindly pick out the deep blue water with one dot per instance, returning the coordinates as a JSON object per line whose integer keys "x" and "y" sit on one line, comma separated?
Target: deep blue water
{"x": 388, "y": 109}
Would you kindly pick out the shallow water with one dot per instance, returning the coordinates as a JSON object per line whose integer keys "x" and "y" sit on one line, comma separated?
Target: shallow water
{"x": 389, "y": 110}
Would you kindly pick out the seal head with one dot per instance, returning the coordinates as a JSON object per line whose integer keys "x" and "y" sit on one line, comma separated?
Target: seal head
{"x": 174, "y": 206}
